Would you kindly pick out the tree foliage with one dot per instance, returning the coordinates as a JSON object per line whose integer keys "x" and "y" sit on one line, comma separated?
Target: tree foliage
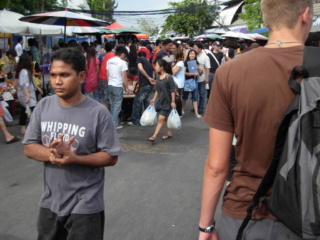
{"x": 103, "y": 5}
{"x": 252, "y": 14}
{"x": 148, "y": 25}
{"x": 27, "y": 7}
{"x": 190, "y": 17}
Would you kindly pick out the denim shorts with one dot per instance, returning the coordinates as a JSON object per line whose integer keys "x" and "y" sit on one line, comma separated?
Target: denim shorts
{"x": 194, "y": 95}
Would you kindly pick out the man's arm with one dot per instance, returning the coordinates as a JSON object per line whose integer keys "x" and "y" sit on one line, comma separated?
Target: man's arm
{"x": 37, "y": 152}
{"x": 207, "y": 75}
{"x": 125, "y": 80}
{"x": 143, "y": 72}
{"x": 215, "y": 174}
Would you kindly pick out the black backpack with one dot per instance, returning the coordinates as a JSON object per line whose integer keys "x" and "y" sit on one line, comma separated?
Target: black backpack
{"x": 293, "y": 174}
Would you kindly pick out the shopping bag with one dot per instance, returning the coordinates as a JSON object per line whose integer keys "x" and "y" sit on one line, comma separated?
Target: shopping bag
{"x": 190, "y": 85}
{"x": 28, "y": 111}
{"x": 149, "y": 117}
{"x": 174, "y": 121}
{"x": 7, "y": 116}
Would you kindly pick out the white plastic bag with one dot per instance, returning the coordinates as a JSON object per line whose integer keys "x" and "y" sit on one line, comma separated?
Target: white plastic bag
{"x": 149, "y": 117}
{"x": 7, "y": 116}
{"x": 174, "y": 121}
{"x": 28, "y": 111}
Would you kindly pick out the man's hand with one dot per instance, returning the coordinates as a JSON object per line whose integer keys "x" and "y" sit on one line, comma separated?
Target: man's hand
{"x": 152, "y": 102}
{"x": 59, "y": 146}
{"x": 209, "y": 236}
{"x": 152, "y": 81}
{"x": 68, "y": 158}
{"x": 206, "y": 81}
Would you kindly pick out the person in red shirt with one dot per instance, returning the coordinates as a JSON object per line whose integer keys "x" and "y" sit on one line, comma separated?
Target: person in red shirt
{"x": 144, "y": 49}
{"x": 103, "y": 75}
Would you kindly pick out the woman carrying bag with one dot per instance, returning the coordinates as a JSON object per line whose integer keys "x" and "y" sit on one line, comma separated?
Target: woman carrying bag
{"x": 26, "y": 89}
{"x": 165, "y": 93}
{"x": 192, "y": 76}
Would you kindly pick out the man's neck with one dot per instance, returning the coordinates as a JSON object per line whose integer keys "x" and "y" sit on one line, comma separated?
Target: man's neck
{"x": 286, "y": 37}
{"x": 72, "y": 101}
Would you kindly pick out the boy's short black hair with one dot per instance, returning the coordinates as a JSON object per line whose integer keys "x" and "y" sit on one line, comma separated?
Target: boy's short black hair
{"x": 198, "y": 44}
{"x": 20, "y": 39}
{"x": 142, "y": 54}
{"x": 71, "y": 56}
{"x": 167, "y": 41}
{"x": 108, "y": 46}
{"x": 12, "y": 52}
{"x": 120, "y": 50}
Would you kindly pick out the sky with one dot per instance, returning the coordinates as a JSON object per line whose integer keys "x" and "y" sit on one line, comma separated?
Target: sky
{"x": 132, "y": 5}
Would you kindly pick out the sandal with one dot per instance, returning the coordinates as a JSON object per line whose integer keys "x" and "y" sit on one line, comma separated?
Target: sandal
{"x": 151, "y": 139}
{"x": 14, "y": 139}
{"x": 165, "y": 137}
{"x": 183, "y": 113}
{"x": 199, "y": 117}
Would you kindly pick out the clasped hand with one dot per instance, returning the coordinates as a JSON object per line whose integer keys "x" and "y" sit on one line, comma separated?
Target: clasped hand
{"x": 60, "y": 153}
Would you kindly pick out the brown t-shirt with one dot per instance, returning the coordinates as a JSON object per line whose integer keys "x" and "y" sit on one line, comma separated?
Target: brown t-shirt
{"x": 249, "y": 97}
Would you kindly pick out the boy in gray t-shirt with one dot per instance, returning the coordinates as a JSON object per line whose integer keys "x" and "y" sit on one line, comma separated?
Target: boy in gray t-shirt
{"x": 75, "y": 138}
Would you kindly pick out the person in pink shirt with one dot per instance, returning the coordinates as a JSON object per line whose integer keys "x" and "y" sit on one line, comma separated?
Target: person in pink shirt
{"x": 92, "y": 69}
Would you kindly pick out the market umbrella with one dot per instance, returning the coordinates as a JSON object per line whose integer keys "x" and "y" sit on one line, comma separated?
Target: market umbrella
{"x": 115, "y": 25}
{"x": 237, "y": 35}
{"x": 64, "y": 18}
{"x": 129, "y": 30}
{"x": 220, "y": 31}
{"x": 257, "y": 36}
{"x": 213, "y": 36}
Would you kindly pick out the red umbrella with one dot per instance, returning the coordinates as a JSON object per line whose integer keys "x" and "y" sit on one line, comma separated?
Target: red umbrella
{"x": 115, "y": 26}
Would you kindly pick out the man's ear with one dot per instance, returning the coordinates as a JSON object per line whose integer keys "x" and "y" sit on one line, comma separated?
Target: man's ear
{"x": 307, "y": 15}
{"x": 82, "y": 76}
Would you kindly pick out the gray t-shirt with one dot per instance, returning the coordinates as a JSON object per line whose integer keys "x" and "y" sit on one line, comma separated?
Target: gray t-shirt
{"x": 74, "y": 189}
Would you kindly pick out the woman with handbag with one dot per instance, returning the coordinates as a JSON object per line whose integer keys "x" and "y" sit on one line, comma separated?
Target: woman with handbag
{"x": 192, "y": 56}
{"x": 26, "y": 89}
{"x": 165, "y": 93}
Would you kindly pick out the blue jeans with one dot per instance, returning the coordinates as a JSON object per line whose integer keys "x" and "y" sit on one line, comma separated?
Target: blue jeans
{"x": 202, "y": 95}
{"x": 142, "y": 96}
{"x": 95, "y": 94}
{"x": 211, "y": 76}
{"x": 115, "y": 98}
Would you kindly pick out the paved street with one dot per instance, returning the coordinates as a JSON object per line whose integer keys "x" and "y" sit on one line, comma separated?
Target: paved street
{"x": 153, "y": 193}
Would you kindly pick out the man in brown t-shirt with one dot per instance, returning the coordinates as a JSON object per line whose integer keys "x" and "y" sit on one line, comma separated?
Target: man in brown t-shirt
{"x": 249, "y": 96}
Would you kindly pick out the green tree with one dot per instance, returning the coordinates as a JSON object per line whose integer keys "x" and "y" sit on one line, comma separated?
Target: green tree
{"x": 148, "y": 25}
{"x": 190, "y": 17}
{"x": 252, "y": 14}
{"x": 27, "y": 7}
{"x": 103, "y": 5}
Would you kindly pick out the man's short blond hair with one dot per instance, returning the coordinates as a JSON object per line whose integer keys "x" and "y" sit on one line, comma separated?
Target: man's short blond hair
{"x": 283, "y": 13}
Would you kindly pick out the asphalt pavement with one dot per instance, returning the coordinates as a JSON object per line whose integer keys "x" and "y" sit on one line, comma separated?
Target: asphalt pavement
{"x": 152, "y": 193}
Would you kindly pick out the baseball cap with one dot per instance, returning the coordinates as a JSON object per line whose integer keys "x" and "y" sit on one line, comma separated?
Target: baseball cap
{"x": 216, "y": 43}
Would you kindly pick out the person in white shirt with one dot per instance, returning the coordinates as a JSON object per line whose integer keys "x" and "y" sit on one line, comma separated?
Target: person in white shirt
{"x": 117, "y": 78}
{"x": 19, "y": 48}
{"x": 98, "y": 48}
{"x": 204, "y": 62}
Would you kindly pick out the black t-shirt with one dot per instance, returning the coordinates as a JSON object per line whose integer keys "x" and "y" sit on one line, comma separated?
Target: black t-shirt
{"x": 143, "y": 81}
{"x": 214, "y": 65}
